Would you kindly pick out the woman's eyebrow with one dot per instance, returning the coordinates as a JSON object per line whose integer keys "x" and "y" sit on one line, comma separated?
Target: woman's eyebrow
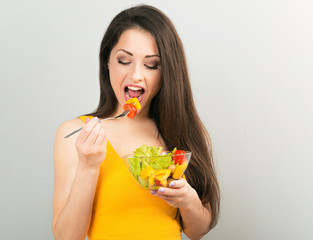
{"x": 149, "y": 56}
{"x": 129, "y": 53}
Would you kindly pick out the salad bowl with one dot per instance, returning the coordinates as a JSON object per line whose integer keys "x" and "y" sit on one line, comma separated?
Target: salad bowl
{"x": 153, "y": 168}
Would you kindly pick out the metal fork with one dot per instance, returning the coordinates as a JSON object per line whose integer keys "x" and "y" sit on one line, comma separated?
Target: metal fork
{"x": 123, "y": 114}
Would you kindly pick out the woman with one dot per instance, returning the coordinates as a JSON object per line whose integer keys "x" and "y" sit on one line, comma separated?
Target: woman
{"x": 141, "y": 56}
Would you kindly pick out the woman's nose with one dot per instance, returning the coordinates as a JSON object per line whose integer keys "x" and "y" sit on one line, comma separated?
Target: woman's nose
{"x": 137, "y": 73}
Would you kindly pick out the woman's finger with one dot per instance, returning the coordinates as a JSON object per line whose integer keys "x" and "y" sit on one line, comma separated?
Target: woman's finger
{"x": 85, "y": 132}
{"x": 93, "y": 134}
{"x": 100, "y": 139}
{"x": 166, "y": 198}
{"x": 160, "y": 195}
{"x": 179, "y": 189}
{"x": 104, "y": 140}
{"x": 168, "y": 192}
{"x": 173, "y": 201}
{"x": 178, "y": 183}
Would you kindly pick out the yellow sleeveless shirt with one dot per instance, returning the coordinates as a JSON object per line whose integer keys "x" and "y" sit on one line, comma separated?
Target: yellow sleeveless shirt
{"x": 123, "y": 210}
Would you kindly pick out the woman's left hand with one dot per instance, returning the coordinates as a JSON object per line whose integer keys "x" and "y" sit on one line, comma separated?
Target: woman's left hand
{"x": 179, "y": 194}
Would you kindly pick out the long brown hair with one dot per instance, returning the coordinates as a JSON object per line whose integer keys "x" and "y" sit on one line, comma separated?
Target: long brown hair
{"x": 173, "y": 108}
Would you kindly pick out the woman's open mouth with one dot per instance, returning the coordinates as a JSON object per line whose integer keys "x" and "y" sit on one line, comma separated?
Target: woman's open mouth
{"x": 134, "y": 92}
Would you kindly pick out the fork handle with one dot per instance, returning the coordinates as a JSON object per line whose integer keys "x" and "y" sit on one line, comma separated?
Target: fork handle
{"x": 123, "y": 114}
{"x": 72, "y": 133}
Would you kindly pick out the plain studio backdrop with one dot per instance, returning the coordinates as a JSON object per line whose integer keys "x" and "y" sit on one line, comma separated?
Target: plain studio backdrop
{"x": 251, "y": 68}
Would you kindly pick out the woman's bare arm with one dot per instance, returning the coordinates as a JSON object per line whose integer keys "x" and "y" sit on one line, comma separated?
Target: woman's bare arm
{"x": 196, "y": 219}
{"x": 77, "y": 162}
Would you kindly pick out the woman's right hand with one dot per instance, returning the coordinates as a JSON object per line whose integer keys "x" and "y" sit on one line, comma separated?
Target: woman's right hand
{"x": 91, "y": 144}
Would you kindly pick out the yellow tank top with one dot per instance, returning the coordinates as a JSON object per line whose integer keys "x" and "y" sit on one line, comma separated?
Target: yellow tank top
{"x": 123, "y": 210}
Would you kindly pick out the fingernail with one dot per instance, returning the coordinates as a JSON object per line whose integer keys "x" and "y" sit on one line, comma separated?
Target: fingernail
{"x": 172, "y": 184}
{"x": 161, "y": 190}
{"x": 153, "y": 192}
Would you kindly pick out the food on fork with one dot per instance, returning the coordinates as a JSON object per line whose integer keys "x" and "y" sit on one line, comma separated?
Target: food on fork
{"x": 132, "y": 105}
{"x": 132, "y": 110}
{"x": 135, "y": 102}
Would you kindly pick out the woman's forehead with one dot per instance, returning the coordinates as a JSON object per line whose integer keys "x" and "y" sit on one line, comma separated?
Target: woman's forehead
{"x": 137, "y": 41}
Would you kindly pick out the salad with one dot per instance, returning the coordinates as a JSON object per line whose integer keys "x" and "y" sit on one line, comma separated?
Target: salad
{"x": 154, "y": 168}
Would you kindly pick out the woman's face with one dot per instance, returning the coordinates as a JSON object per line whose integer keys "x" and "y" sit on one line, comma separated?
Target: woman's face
{"x": 135, "y": 68}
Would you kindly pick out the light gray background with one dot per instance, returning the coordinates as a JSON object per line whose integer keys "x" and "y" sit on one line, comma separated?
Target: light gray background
{"x": 250, "y": 64}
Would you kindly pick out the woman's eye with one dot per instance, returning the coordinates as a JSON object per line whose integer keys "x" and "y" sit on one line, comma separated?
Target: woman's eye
{"x": 152, "y": 67}
{"x": 123, "y": 62}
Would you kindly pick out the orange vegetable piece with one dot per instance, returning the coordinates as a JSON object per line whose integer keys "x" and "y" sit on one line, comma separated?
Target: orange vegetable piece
{"x": 179, "y": 170}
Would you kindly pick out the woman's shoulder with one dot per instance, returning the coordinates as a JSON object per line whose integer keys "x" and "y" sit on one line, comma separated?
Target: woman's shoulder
{"x": 64, "y": 148}
{"x": 69, "y": 126}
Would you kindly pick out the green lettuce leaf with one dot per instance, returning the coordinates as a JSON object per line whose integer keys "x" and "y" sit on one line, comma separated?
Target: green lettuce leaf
{"x": 135, "y": 167}
{"x": 149, "y": 156}
{"x": 145, "y": 151}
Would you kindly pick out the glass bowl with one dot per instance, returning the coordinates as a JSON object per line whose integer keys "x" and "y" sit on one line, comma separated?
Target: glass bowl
{"x": 153, "y": 172}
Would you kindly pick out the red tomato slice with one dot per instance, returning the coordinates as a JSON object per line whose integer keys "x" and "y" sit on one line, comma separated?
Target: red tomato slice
{"x": 180, "y": 158}
{"x": 132, "y": 110}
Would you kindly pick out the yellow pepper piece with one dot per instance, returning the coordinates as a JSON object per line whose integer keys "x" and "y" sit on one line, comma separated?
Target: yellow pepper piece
{"x": 151, "y": 180}
{"x": 164, "y": 182}
{"x": 179, "y": 170}
{"x": 147, "y": 172}
{"x": 162, "y": 174}
{"x": 162, "y": 171}
{"x": 135, "y": 102}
